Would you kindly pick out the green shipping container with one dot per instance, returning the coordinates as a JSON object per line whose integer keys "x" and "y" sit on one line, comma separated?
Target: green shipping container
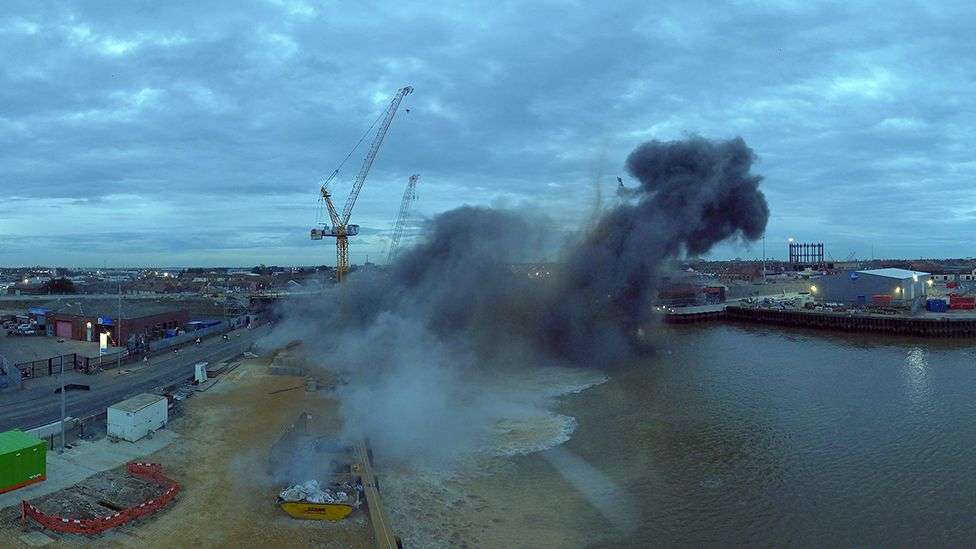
{"x": 23, "y": 460}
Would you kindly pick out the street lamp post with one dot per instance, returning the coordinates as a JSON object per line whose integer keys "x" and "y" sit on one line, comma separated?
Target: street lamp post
{"x": 764, "y": 257}
{"x": 119, "y": 328}
{"x": 61, "y": 449}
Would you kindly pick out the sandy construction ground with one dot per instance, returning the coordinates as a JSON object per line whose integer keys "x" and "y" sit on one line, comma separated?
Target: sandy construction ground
{"x": 222, "y": 461}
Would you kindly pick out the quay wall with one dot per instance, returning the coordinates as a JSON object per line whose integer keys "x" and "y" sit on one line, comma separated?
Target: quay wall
{"x": 889, "y": 324}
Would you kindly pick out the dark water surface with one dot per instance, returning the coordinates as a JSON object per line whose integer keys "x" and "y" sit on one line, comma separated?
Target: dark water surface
{"x": 743, "y": 435}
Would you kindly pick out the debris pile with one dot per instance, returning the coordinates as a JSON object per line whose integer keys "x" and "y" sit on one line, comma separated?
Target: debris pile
{"x": 312, "y": 492}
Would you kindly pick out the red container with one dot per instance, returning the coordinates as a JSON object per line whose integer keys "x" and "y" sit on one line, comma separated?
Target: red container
{"x": 962, "y": 302}
{"x": 881, "y": 299}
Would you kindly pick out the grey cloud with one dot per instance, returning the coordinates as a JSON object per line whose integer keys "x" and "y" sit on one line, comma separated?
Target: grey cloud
{"x": 244, "y": 101}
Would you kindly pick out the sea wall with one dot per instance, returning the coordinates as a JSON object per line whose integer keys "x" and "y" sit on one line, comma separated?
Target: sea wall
{"x": 840, "y": 321}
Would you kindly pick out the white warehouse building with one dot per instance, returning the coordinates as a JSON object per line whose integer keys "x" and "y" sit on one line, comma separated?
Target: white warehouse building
{"x": 859, "y": 287}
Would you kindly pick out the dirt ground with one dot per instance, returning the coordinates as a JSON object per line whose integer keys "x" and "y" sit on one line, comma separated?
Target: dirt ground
{"x": 222, "y": 463}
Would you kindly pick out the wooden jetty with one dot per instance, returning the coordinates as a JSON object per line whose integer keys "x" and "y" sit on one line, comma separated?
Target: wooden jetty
{"x": 382, "y": 528}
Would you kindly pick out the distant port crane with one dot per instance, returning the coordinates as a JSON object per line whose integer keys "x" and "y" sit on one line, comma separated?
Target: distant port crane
{"x": 338, "y": 225}
{"x": 409, "y": 196}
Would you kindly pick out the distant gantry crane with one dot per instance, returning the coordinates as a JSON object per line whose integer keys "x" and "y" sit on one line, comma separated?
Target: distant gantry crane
{"x": 338, "y": 225}
{"x": 409, "y": 195}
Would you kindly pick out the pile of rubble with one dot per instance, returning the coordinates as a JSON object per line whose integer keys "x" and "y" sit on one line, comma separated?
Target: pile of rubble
{"x": 312, "y": 492}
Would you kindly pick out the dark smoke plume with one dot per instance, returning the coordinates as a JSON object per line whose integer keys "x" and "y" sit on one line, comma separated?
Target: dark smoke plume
{"x": 693, "y": 194}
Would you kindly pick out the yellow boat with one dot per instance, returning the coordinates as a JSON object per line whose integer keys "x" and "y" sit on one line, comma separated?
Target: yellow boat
{"x": 316, "y": 511}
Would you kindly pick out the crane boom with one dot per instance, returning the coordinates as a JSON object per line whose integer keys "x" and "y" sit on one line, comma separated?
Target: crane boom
{"x": 409, "y": 195}
{"x": 373, "y": 150}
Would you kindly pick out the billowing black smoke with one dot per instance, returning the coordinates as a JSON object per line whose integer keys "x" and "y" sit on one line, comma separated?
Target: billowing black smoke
{"x": 693, "y": 194}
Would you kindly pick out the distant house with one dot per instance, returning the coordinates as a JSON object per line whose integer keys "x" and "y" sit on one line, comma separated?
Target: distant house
{"x": 27, "y": 289}
{"x": 955, "y": 276}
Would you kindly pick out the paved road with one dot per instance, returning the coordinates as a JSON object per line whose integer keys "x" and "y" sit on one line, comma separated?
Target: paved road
{"x": 76, "y": 297}
{"x": 34, "y": 407}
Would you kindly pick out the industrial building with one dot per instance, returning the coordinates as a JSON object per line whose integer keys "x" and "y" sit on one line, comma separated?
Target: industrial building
{"x": 960, "y": 276}
{"x": 895, "y": 286}
{"x": 141, "y": 322}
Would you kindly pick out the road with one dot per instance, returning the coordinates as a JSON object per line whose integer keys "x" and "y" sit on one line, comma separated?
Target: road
{"x": 77, "y": 297}
{"x": 35, "y": 407}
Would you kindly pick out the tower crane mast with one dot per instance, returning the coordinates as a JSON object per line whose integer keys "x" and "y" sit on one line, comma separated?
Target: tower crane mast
{"x": 409, "y": 195}
{"x": 340, "y": 228}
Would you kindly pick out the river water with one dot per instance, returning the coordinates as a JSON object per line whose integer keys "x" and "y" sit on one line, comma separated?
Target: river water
{"x": 741, "y": 435}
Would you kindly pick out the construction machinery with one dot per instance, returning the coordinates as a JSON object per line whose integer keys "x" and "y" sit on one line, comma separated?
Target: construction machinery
{"x": 338, "y": 225}
{"x": 409, "y": 195}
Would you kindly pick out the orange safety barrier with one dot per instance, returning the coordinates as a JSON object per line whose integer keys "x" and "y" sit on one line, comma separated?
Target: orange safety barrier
{"x": 149, "y": 471}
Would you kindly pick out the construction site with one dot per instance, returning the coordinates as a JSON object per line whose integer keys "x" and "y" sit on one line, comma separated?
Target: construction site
{"x": 254, "y": 458}
{"x": 255, "y": 414}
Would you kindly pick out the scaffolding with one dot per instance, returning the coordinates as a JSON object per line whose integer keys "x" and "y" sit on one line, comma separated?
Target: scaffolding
{"x": 803, "y": 253}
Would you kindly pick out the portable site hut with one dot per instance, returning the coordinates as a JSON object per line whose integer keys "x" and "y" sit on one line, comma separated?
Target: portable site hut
{"x": 133, "y": 418}
{"x": 23, "y": 460}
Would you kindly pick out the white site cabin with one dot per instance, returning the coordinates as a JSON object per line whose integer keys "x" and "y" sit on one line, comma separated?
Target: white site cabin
{"x": 135, "y": 417}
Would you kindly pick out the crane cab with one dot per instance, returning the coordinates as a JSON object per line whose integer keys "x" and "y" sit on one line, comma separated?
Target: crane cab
{"x": 352, "y": 230}
{"x": 317, "y": 234}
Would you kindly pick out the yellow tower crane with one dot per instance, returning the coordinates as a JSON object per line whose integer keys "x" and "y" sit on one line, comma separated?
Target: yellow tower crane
{"x": 338, "y": 225}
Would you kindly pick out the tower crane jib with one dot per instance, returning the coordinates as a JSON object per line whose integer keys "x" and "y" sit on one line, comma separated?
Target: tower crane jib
{"x": 374, "y": 148}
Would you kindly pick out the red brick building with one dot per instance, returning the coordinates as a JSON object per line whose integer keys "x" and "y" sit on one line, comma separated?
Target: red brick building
{"x": 140, "y": 322}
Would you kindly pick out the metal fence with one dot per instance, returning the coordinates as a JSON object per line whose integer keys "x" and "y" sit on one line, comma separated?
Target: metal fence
{"x": 74, "y": 361}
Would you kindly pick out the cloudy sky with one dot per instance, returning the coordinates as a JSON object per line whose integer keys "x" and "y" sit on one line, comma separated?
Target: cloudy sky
{"x": 178, "y": 133}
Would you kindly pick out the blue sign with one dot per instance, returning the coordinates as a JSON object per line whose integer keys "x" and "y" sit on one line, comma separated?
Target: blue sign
{"x": 105, "y": 321}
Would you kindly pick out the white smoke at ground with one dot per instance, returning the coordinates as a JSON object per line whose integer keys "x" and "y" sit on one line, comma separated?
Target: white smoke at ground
{"x": 422, "y": 398}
